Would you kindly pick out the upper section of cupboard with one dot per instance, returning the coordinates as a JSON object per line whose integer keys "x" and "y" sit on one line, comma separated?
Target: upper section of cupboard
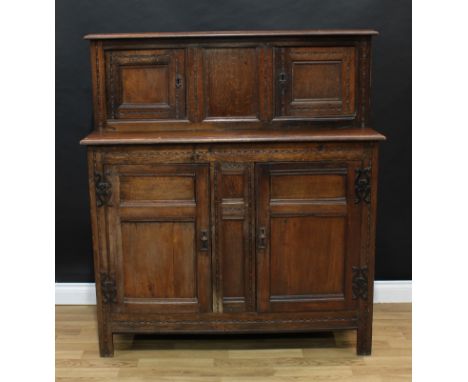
{"x": 238, "y": 80}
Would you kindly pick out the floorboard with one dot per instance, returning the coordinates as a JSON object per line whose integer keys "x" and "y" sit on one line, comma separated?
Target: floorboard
{"x": 259, "y": 358}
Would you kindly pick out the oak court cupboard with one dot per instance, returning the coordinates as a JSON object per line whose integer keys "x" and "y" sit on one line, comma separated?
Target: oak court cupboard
{"x": 233, "y": 182}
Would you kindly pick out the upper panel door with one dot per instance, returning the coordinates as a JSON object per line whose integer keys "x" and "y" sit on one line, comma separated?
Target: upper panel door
{"x": 315, "y": 82}
{"x": 307, "y": 236}
{"x": 159, "y": 240}
{"x": 145, "y": 84}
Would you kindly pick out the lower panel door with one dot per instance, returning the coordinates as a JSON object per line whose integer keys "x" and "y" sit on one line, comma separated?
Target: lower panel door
{"x": 158, "y": 238}
{"x": 308, "y": 236}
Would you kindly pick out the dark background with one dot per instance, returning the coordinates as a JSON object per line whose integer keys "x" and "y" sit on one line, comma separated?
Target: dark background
{"x": 391, "y": 101}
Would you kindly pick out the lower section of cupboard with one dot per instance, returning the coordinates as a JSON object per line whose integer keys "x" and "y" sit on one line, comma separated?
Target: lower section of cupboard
{"x": 215, "y": 323}
{"x": 234, "y": 238}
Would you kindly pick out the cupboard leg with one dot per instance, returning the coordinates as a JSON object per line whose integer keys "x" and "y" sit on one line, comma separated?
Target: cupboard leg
{"x": 106, "y": 343}
{"x": 364, "y": 337}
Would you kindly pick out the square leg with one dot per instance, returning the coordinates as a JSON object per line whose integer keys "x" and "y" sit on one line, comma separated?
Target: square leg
{"x": 106, "y": 342}
{"x": 364, "y": 336}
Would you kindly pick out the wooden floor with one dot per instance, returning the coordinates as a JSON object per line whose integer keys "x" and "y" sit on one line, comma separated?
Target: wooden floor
{"x": 306, "y": 357}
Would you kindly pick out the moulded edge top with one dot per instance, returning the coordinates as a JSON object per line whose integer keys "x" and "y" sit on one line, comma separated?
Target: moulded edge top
{"x": 233, "y": 136}
{"x": 234, "y": 33}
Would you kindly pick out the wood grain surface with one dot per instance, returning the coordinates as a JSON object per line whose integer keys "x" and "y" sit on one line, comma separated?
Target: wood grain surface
{"x": 199, "y": 136}
{"x": 233, "y": 183}
{"x": 236, "y": 33}
{"x": 268, "y": 358}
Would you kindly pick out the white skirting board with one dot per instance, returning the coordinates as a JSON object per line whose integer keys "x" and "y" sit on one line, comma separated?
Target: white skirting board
{"x": 84, "y": 293}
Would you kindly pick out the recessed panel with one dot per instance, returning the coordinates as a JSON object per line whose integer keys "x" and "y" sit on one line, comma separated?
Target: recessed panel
{"x": 232, "y": 185}
{"x": 308, "y": 186}
{"x": 157, "y": 187}
{"x": 146, "y": 85}
{"x": 233, "y": 258}
{"x": 307, "y": 255}
{"x": 316, "y": 81}
{"x": 158, "y": 259}
{"x": 231, "y": 83}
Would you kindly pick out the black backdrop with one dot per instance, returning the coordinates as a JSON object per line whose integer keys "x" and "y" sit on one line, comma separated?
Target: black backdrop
{"x": 391, "y": 101}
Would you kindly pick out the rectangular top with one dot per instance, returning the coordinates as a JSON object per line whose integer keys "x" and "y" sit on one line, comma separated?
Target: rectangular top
{"x": 235, "y": 33}
{"x": 233, "y": 136}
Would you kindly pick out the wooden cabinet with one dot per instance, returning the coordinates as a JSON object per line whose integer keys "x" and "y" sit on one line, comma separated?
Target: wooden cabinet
{"x": 233, "y": 183}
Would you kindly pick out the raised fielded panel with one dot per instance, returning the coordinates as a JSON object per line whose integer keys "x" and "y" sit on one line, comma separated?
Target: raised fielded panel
{"x": 159, "y": 237}
{"x": 315, "y": 82}
{"x": 145, "y": 84}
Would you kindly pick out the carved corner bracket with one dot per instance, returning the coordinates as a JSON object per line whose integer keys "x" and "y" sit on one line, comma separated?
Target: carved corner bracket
{"x": 360, "y": 283}
{"x": 108, "y": 288}
{"x": 362, "y": 185}
{"x": 103, "y": 189}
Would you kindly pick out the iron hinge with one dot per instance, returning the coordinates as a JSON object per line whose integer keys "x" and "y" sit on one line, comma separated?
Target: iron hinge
{"x": 360, "y": 283}
{"x": 103, "y": 189}
{"x": 108, "y": 288}
{"x": 362, "y": 185}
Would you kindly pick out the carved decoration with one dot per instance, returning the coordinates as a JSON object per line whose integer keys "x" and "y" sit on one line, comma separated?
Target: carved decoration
{"x": 362, "y": 185}
{"x": 195, "y": 80}
{"x": 178, "y": 85}
{"x": 136, "y": 324}
{"x": 282, "y": 84}
{"x": 360, "y": 283}
{"x": 217, "y": 252}
{"x": 108, "y": 288}
{"x": 266, "y": 82}
{"x": 251, "y": 237}
{"x": 348, "y": 83}
{"x": 364, "y": 66}
{"x": 111, "y": 100}
{"x": 103, "y": 189}
{"x": 98, "y": 89}
{"x": 300, "y": 154}
{"x": 235, "y": 168}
